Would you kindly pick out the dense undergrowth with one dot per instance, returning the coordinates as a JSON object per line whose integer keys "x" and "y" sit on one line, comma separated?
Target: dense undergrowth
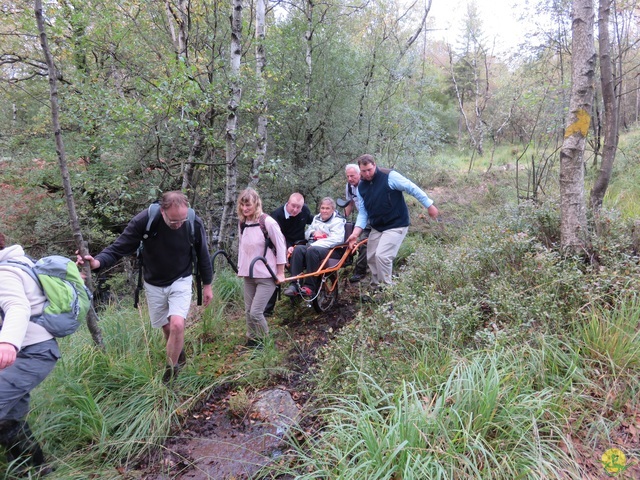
{"x": 484, "y": 361}
{"x": 494, "y": 356}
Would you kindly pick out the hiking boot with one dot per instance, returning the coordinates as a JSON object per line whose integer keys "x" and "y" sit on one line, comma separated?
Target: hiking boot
{"x": 291, "y": 291}
{"x": 366, "y": 298}
{"x": 356, "y": 277}
{"x": 22, "y": 447}
{"x": 182, "y": 358}
{"x": 255, "y": 344}
{"x": 170, "y": 373}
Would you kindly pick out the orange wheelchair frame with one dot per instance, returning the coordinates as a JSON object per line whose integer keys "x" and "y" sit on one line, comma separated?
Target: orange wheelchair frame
{"x": 338, "y": 257}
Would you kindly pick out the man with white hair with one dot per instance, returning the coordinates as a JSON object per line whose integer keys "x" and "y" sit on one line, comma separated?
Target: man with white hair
{"x": 352, "y": 172}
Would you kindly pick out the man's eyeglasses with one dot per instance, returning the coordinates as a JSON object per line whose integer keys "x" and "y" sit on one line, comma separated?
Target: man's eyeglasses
{"x": 172, "y": 223}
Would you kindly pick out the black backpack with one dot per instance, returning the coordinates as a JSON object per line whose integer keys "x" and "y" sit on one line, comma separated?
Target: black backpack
{"x": 154, "y": 212}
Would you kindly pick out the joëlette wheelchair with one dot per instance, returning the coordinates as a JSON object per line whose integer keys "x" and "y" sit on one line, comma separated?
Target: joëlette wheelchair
{"x": 338, "y": 257}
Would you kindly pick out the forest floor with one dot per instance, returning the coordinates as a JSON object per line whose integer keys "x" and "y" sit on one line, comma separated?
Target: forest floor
{"x": 236, "y": 447}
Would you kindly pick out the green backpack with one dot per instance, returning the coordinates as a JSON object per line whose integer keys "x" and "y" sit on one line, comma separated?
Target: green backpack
{"x": 68, "y": 300}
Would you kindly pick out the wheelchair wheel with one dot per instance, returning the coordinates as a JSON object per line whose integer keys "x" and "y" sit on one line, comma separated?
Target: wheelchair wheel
{"x": 328, "y": 293}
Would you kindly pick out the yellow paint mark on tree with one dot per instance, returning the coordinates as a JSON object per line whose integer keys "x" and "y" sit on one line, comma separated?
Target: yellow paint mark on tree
{"x": 581, "y": 125}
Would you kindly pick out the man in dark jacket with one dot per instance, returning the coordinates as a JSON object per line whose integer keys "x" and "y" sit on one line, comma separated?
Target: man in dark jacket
{"x": 168, "y": 266}
{"x": 293, "y": 218}
{"x": 382, "y": 204}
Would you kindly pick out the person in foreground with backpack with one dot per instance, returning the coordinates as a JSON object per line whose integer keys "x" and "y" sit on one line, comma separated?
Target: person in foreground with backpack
{"x": 253, "y": 243}
{"x": 28, "y": 353}
{"x": 173, "y": 247}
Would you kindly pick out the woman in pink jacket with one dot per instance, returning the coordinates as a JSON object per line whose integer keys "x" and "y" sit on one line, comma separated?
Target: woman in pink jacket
{"x": 259, "y": 236}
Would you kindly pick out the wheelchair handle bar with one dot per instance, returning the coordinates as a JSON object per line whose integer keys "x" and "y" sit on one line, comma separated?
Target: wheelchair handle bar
{"x": 229, "y": 261}
{"x": 263, "y": 260}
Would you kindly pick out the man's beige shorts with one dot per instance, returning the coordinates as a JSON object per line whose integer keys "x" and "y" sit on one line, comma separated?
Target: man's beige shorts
{"x": 164, "y": 302}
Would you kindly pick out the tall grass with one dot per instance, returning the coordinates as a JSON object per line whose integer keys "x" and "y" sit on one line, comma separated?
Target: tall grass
{"x": 487, "y": 360}
{"x": 623, "y": 193}
{"x": 100, "y": 409}
{"x": 486, "y": 419}
{"x": 611, "y": 337}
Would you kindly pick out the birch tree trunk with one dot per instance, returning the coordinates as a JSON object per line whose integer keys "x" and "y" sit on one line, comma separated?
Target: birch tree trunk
{"x": 309, "y": 5}
{"x": 232, "y": 122}
{"x": 573, "y": 228}
{"x": 179, "y": 21}
{"x": 261, "y": 133}
{"x": 92, "y": 318}
{"x": 611, "y": 113}
{"x": 178, "y": 16}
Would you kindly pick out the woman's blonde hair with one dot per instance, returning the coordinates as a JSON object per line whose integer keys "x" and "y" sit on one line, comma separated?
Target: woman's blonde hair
{"x": 251, "y": 197}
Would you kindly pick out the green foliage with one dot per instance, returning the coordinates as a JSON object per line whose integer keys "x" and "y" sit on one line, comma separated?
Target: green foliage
{"x": 471, "y": 366}
{"x": 623, "y": 193}
{"x": 495, "y": 337}
{"x": 227, "y": 297}
{"x": 239, "y": 403}
{"x": 489, "y": 345}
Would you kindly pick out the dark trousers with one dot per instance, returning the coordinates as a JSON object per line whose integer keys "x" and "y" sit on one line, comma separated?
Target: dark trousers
{"x": 361, "y": 263}
{"x": 271, "y": 304}
{"x": 32, "y": 365}
{"x": 310, "y": 257}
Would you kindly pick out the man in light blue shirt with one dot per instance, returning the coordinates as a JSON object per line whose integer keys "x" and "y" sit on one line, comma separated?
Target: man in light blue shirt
{"x": 352, "y": 171}
{"x": 382, "y": 205}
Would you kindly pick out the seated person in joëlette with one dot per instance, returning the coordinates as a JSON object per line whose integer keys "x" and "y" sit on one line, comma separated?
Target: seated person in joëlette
{"x": 326, "y": 231}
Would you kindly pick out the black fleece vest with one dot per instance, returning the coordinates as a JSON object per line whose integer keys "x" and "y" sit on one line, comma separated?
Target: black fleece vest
{"x": 386, "y": 207}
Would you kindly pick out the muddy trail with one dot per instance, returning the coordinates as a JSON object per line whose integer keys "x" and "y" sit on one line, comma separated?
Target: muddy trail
{"x": 214, "y": 442}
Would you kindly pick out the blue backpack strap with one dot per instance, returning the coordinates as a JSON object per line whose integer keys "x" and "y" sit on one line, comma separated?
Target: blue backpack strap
{"x": 24, "y": 267}
{"x": 191, "y": 226}
{"x": 154, "y": 211}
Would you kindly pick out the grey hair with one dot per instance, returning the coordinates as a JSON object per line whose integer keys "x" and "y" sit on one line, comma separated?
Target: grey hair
{"x": 352, "y": 165}
{"x": 330, "y": 201}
